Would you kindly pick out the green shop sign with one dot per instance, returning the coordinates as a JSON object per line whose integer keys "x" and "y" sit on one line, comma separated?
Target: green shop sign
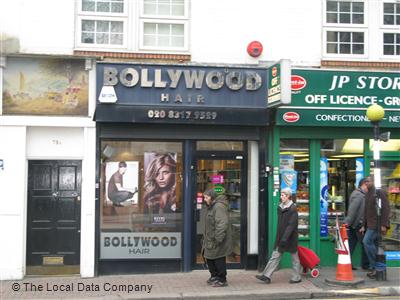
{"x": 340, "y": 98}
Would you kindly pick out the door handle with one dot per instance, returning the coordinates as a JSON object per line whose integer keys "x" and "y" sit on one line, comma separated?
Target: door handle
{"x": 55, "y": 194}
{"x": 78, "y": 198}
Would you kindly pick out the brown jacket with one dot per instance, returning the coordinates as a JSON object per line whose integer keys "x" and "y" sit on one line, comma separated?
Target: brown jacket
{"x": 370, "y": 216}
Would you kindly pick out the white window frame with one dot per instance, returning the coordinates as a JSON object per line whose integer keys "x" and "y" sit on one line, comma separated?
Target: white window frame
{"x": 95, "y": 46}
{"x": 163, "y": 21}
{"x": 383, "y": 26}
{"x": 386, "y": 29}
{"x": 347, "y": 25}
{"x": 345, "y": 55}
{"x": 184, "y": 17}
{"x": 109, "y": 14}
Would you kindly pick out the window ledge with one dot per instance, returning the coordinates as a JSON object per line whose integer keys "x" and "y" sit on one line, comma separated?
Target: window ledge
{"x": 130, "y": 55}
{"x": 369, "y": 64}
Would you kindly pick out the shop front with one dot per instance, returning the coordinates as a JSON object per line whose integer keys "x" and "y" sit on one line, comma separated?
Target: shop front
{"x": 165, "y": 134}
{"x": 321, "y": 147}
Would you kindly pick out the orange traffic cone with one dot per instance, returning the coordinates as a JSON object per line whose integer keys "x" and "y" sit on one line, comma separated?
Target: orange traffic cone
{"x": 343, "y": 269}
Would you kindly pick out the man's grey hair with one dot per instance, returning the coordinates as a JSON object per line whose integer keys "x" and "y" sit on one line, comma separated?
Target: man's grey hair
{"x": 287, "y": 191}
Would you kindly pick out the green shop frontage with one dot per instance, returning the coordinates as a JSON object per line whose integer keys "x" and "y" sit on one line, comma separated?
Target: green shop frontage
{"x": 321, "y": 146}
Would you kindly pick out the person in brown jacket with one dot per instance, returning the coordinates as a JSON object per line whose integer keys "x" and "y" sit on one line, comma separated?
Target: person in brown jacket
{"x": 370, "y": 240}
{"x": 286, "y": 239}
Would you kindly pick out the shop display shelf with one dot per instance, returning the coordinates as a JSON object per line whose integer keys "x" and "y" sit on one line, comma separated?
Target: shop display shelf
{"x": 336, "y": 213}
{"x": 391, "y": 239}
{"x": 303, "y": 214}
{"x": 303, "y": 226}
{"x": 302, "y": 201}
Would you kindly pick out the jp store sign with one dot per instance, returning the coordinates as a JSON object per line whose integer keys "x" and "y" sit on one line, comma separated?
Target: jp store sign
{"x": 346, "y": 89}
{"x": 331, "y": 98}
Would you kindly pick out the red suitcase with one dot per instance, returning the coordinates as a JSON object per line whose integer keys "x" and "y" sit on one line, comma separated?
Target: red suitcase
{"x": 308, "y": 260}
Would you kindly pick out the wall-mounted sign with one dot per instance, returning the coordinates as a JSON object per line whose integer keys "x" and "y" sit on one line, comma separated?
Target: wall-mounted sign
{"x": 279, "y": 83}
{"x": 45, "y": 86}
{"x": 181, "y": 94}
{"x": 340, "y": 98}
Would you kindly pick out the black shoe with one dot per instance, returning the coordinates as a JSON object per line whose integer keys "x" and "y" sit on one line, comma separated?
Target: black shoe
{"x": 354, "y": 268}
{"x": 211, "y": 280}
{"x": 294, "y": 281}
{"x": 263, "y": 278}
{"x": 372, "y": 275}
{"x": 219, "y": 283}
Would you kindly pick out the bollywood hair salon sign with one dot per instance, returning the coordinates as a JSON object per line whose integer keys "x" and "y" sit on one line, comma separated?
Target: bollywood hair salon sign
{"x": 340, "y": 98}
{"x": 139, "y": 245}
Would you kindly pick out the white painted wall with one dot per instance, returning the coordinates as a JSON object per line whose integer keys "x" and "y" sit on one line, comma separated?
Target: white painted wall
{"x": 13, "y": 194}
{"x": 42, "y": 26}
{"x": 221, "y": 30}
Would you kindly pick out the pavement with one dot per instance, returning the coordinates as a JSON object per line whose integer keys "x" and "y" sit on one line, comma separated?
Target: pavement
{"x": 192, "y": 285}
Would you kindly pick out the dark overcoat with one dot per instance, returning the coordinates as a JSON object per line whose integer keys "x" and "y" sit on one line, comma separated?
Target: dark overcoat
{"x": 287, "y": 234}
{"x": 217, "y": 239}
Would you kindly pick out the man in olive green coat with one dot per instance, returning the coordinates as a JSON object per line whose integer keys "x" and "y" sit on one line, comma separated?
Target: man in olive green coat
{"x": 217, "y": 239}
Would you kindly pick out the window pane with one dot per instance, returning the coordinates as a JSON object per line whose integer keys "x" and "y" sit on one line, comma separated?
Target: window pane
{"x": 178, "y": 10}
{"x": 87, "y": 38}
{"x": 87, "y": 25}
{"x": 164, "y": 29}
{"x": 397, "y": 50}
{"x": 388, "y": 8}
{"x": 388, "y": 49}
{"x": 150, "y": 9}
{"x": 358, "y": 37}
{"x": 117, "y": 7}
{"x": 216, "y": 145}
{"x": 331, "y": 18}
{"x": 344, "y": 36}
{"x": 398, "y": 38}
{"x": 102, "y": 26}
{"x": 344, "y": 48}
{"x": 177, "y": 29}
{"x": 344, "y": 18}
{"x": 332, "y": 6}
{"x": 388, "y": 38}
{"x": 163, "y": 41}
{"x": 103, "y": 6}
{"x": 163, "y": 9}
{"x": 116, "y": 39}
{"x": 88, "y": 5}
{"x": 398, "y": 19}
{"x": 117, "y": 27}
{"x": 177, "y": 41}
{"x": 149, "y": 40}
{"x": 149, "y": 28}
{"x": 332, "y": 48}
{"x": 102, "y": 38}
{"x": 358, "y": 49}
{"x": 358, "y": 7}
{"x": 332, "y": 36}
{"x": 148, "y": 209}
{"x": 344, "y": 6}
{"x": 358, "y": 19}
{"x": 388, "y": 20}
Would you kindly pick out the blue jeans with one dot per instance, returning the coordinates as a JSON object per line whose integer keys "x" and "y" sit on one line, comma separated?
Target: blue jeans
{"x": 370, "y": 242}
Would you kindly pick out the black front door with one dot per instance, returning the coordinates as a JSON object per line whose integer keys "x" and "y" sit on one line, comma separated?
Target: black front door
{"x": 53, "y": 233}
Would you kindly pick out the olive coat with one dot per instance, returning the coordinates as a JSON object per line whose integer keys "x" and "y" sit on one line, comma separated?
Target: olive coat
{"x": 217, "y": 238}
{"x": 287, "y": 234}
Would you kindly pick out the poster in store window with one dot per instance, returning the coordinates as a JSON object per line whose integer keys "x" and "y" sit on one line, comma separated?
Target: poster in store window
{"x": 122, "y": 183}
{"x": 324, "y": 197}
{"x": 159, "y": 190}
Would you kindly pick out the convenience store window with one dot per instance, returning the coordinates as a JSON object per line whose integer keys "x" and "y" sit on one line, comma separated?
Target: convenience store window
{"x": 341, "y": 168}
{"x": 141, "y": 200}
{"x": 295, "y": 174}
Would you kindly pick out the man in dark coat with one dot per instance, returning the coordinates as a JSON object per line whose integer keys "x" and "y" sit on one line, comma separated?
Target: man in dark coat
{"x": 370, "y": 227}
{"x": 354, "y": 220}
{"x": 286, "y": 239}
{"x": 217, "y": 239}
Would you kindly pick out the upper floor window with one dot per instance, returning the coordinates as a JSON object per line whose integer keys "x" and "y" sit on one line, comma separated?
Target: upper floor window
{"x": 344, "y": 42}
{"x": 345, "y": 12}
{"x": 391, "y": 13}
{"x": 125, "y": 25}
{"x": 104, "y": 6}
{"x": 391, "y": 44}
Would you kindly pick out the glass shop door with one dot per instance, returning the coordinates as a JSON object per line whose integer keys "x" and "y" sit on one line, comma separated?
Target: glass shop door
{"x": 224, "y": 175}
